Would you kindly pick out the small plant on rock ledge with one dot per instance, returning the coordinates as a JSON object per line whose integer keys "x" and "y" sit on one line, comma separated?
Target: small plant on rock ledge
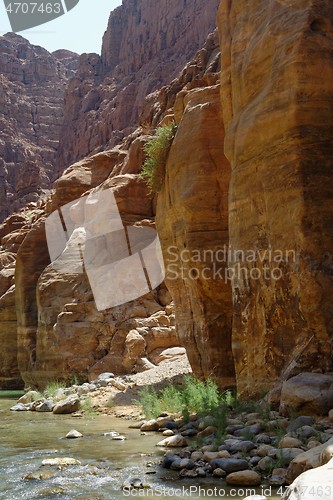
{"x": 157, "y": 151}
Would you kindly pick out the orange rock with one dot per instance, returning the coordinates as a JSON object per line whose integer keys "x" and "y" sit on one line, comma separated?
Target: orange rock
{"x": 192, "y": 219}
{"x": 277, "y": 94}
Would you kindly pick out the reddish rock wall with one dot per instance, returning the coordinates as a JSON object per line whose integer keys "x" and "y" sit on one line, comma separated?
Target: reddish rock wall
{"x": 145, "y": 46}
{"x": 32, "y": 86}
{"x": 276, "y": 85}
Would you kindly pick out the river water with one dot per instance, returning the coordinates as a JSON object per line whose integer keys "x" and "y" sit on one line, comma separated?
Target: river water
{"x": 27, "y": 438}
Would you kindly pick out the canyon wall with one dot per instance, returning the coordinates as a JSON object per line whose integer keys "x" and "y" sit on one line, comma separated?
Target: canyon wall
{"x": 145, "y": 46}
{"x": 32, "y": 87}
{"x": 277, "y": 89}
{"x": 244, "y": 215}
{"x": 192, "y": 221}
{"x": 56, "y": 330}
{"x": 49, "y": 322}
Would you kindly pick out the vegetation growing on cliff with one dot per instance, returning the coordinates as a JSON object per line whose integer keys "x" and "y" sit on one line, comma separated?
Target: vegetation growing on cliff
{"x": 157, "y": 151}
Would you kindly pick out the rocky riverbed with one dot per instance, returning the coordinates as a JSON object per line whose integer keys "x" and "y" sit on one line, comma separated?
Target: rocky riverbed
{"x": 259, "y": 448}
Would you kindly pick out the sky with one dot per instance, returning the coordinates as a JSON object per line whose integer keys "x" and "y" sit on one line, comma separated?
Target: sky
{"x": 80, "y": 30}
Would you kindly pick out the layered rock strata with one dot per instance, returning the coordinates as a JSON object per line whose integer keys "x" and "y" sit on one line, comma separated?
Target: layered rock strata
{"x": 32, "y": 87}
{"x": 276, "y": 88}
{"x": 145, "y": 46}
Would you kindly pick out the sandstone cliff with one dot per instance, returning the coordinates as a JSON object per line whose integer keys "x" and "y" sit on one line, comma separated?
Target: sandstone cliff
{"x": 144, "y": 47}
{"x": 55, "y": 329}
{"x": 48, "y": 317}
{"x": 32, "y": 86}
{"x": 277, "y": 104}
{"x": 192, "y": 217}
{"x": 276, "y": 110}
{"x": 249, "y": 166}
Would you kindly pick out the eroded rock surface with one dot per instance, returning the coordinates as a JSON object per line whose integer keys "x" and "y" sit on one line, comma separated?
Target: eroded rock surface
{"x": 145, "y": 46}
{"x": 32, "y": 87}
{"x": 192, "y": 220}
{"x": 277, "y": 90}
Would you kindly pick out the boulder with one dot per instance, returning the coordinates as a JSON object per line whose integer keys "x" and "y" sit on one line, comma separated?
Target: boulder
{"x": 176, "y": 441}
{"x": 45, "y": 406}
{"x": 307, "y": 460}
{"x": 187, "y": 463}
{"x": 74, "y": 434}
{"x": 60, "y": 461}
{"x": 220, "y": 473}
{"x": 20, "y": 407}
{"x": 29, "y": 397}
{"x": 290, "y": 442}
{"x": 244, "y": 478}
{"x": 310, "y": 393}
{"x": 69, "y": 405}
{"x": 245, "y": 446}
{"x": 312, "y": 484}
{"x": 300, "y": 422}
{"x": 151, "y": 425}
{"x": 230, "y": 464}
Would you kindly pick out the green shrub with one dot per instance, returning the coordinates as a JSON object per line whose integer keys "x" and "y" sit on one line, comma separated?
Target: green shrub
{"x": 195, "y": 396}
{"x": 150, "y": 403}
{"x": 171, "y": 399}
{"x": 157, "y": 151}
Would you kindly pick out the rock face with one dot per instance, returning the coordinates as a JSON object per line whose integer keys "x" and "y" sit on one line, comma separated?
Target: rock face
{"x": 191, "y": 237}
{"x": 144, "y": 47}
{"x": 277, "y": 90}
{"x": 59, "y": 330}
{"x": 12, "y": 233}
{"x": 32, "y": 87}
{"x": 192, "y": 218}
{"x": 51, "y": 322}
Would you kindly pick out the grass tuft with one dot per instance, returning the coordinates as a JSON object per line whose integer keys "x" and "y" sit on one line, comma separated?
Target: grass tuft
{"x": 52, "y": 387}
{"x": 87, "y": 406}
{"x": 157, "y": 151}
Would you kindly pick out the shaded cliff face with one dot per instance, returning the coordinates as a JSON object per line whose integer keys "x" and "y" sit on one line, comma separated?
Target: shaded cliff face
{"x": 277, "y": 88}
{"x": 192, "y": 220}
{"x": 12, "y": 234}
{"x": 32, "y": 86}
{"x": 145, "y": 46}
{"x": 192, "y": 217}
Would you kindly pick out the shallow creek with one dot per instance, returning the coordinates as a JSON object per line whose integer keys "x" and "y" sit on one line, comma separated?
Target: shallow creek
{"x": 28, "y": 438}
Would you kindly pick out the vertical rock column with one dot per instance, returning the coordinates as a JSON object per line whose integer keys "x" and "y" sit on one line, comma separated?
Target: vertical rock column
{"x": 3, "y": 190}
{"x": 192, "y": 221}
{"x": 31, "y": 260}
{"x": 277, "y": 97}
